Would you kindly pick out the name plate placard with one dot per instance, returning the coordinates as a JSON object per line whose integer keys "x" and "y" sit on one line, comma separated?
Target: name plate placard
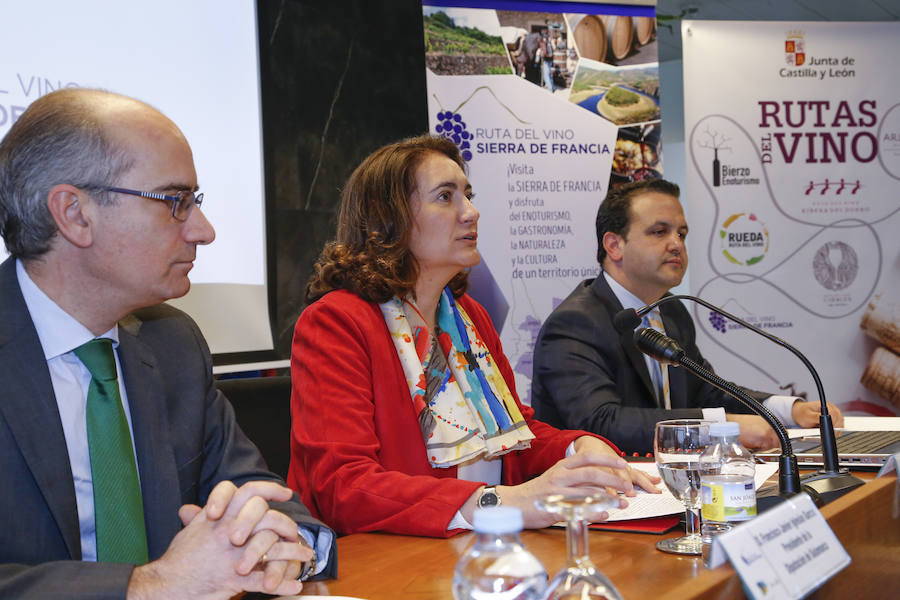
{"x": 786, "y": 552}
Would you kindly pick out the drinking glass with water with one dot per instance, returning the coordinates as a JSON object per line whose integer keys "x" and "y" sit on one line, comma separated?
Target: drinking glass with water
{"x": 677, "y": 446}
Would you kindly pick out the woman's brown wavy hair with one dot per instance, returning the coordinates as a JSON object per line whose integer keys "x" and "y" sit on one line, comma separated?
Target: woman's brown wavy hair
{"x": 370, "y": 256}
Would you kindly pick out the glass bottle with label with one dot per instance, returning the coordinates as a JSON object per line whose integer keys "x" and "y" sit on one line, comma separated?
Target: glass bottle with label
{"x": 727, "y": 490}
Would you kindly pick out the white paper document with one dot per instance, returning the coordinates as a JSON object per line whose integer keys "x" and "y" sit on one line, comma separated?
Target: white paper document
{"x": 646, "y": 505}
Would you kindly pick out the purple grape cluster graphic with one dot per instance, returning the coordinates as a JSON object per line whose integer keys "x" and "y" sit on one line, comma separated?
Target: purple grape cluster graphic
{"x": 717, "y": 321}
{"x": 451, "y": 126}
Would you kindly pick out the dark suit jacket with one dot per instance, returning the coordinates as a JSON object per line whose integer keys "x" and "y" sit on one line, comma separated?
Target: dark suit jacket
{"x": 185, "y": 437}
{"x": 587, "y": 376}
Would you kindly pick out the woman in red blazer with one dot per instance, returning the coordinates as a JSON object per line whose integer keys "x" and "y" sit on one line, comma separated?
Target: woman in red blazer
{"x": 391, "y": 352}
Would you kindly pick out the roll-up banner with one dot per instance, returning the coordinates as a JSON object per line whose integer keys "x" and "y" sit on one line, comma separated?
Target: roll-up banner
{"x": 550, "y": 103}
{"x": 793, "y": 171}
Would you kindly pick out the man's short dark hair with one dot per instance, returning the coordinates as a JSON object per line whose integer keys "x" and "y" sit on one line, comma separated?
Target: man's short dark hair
{"x": 614, "y": 214}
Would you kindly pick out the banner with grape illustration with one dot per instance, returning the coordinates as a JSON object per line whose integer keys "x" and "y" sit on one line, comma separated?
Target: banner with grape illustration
{"x": 549, "y": 109}
{"x": 793, "y": 161}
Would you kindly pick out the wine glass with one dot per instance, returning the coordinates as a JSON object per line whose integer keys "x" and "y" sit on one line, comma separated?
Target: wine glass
{"x": 580, "y": 578}
{"x": 677, "y": 446}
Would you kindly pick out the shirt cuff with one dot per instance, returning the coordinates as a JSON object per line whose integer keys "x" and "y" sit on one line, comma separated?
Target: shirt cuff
{"x": 458, "y": 522}
{"x": 321, "y": 543}
{"x": 715, "y": 414}
{"x": 781, "y": 407}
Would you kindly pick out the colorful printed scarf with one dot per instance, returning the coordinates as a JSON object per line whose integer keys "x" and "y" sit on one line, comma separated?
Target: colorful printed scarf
{"x": 464, "y": 406}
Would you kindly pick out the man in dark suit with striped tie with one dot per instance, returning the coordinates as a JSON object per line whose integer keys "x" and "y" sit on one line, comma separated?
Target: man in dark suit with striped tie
{"x": 588, "y": 376}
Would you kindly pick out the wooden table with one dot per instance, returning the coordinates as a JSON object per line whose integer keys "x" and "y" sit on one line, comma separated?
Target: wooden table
{"x": 392, "y": 567}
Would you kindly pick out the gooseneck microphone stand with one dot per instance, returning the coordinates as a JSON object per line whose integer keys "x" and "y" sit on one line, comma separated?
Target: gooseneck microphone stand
{"x": 668, "y": 352}
{"x": 830, "y": 481}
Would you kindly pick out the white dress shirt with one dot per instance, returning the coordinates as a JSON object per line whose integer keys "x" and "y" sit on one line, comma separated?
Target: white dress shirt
{"x": 60, "y": 334}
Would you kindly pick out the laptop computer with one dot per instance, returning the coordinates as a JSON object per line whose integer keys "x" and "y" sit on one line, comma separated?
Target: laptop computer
{"x": 855, "y": 448}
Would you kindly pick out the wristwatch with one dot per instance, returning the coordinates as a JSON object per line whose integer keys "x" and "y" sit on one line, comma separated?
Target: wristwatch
{"x": 489, "y": 497}
{"x": 308, "y": 568}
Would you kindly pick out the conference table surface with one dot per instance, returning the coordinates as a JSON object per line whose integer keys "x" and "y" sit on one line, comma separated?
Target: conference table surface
{"x": 383, "y": 566}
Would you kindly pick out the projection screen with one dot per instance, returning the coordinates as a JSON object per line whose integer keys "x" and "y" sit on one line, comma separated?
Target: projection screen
{"x": 198, "y": 63}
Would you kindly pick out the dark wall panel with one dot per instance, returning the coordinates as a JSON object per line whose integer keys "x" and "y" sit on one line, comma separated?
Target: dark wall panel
{"x": 339, "y": 79}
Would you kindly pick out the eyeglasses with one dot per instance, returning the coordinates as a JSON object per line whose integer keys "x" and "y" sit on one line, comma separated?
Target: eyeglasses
{"x": 182, "y": 202}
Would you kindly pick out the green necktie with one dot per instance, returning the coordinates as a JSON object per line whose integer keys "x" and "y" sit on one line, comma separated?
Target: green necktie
{"x": 118, "y": 506}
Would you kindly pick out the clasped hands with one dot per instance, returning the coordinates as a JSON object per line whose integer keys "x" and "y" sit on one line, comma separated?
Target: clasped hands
{"x": 235, "y": 543}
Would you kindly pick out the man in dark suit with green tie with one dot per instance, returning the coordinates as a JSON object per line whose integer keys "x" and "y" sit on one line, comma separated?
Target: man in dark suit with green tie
{"x": 124, "y": 473}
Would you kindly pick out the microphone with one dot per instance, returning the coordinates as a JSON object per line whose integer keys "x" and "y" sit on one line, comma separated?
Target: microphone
{"x": 830, "y": 481}
{"x": 626, "y": 320}
{"x": 659, "y": 346}
{"x": 668, "y": 352}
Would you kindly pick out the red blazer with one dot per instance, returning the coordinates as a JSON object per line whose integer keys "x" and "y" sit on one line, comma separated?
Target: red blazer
{"x": 357, "y": 455}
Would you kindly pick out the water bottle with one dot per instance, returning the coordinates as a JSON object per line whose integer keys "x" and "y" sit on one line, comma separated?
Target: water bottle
{"x": 498, "y": 566}
{"x": 727, "y": 490}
